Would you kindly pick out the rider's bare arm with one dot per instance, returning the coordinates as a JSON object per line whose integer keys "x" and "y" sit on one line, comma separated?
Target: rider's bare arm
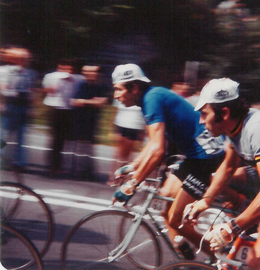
{"x": 223, "y": 174}
{"x": 252, "y": 214}
{"x": 152, "y": 153}
{"x": 95, "y": 102}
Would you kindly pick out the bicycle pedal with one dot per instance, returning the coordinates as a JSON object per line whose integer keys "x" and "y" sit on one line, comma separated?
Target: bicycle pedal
{"x": 186, "y": 251}
{"x": 164, "y": 230}
{"x": 184, "y": 248}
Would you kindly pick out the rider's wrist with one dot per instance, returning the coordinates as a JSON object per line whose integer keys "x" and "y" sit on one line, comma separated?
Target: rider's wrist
{"x": 236, "y": 229}
{"x": 134, "y": 182}
{"x": 207, "y": 200}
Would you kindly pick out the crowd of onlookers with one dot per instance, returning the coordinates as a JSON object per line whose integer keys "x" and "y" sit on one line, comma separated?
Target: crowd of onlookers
{"x": 73, "y": 101}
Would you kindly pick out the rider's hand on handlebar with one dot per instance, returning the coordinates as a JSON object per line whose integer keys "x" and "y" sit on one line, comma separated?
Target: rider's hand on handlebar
{"x": 220, "y": 236}
{"x": 125, "y": 192}
{"x": 124, "y": 170}
{"x": 196, "y": 208}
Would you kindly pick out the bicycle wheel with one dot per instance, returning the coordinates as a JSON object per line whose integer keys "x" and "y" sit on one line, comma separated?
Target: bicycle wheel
{"x": 17, "y": 251}
{"x": 25, "y": 211}
{"x": 90, "y": 242}
{"x": 187, "y": 265}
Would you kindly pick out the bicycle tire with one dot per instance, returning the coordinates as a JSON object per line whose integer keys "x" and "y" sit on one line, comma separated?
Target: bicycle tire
{"x": 36, "y": 224}
{"x": 17, "y": 251}
{"x": 88, "y": 243}
{"x": 10, "y": 173}
{"x": 187, "y": 265}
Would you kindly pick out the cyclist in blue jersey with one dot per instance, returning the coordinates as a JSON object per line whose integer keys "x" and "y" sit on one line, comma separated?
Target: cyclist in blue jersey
{"x": 167, "y": 113}
{"x": 224, "y": 112}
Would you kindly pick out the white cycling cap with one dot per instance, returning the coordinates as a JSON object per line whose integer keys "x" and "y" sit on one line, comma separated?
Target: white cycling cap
{"x": 127, "y": 73}
{"x": 218, "y": 91}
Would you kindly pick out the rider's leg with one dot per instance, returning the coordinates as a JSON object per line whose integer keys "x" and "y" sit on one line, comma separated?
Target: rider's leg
{"x": 195, "y": 175}
{"x": 175, "y": 218}
{"x": 244, "y": 185}
{"x": 233, "y": 199}
{"x": 246, "y": 181}
{"x": 253, "y": 259}
{"x": 170, "y": 188}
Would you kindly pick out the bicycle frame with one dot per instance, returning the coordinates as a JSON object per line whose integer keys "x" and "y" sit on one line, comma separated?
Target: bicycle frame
{"x": 139, "y": 215}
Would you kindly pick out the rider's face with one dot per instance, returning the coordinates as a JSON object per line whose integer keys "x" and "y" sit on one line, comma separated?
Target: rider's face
{"x": 208, "y": 119}
{"x": 123, "y": 95}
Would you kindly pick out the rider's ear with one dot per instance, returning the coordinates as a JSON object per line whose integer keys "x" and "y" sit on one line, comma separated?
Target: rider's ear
{"x": 225, "y": 113}
{"x": 135, "y": 88}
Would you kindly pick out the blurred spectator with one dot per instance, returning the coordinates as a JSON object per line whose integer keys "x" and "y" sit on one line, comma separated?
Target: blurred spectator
{"x": 129, "y": 126}
{"x": 60, "y": 87}
{"x": 16, "y": 84}
{"x": 88, "y": 100}
{"x": 186, "y": 91}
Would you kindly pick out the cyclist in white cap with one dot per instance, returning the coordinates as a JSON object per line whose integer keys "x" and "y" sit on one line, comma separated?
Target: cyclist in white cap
{"x": 223, "y": 111}
{"x": 167, "y": 113}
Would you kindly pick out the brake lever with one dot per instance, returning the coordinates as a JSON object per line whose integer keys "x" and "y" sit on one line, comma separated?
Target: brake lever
{"x": 185, "y": 215}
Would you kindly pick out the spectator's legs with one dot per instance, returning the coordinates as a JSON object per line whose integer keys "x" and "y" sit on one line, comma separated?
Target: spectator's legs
{"x": 58, "y": 139}
{"x": 20, "y": 152}
{"x": 125, "y": 148}
{"x": 4, "y": 133}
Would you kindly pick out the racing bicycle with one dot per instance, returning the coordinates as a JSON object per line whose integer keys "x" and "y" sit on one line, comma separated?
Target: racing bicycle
{"x": 123, "y": 239}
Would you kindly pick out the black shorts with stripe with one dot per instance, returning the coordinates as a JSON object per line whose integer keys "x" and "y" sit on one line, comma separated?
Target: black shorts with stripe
{"x": 196, "y": 174}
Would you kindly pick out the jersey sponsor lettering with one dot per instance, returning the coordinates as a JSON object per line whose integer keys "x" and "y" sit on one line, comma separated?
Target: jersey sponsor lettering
{"x": 194, "y": 186}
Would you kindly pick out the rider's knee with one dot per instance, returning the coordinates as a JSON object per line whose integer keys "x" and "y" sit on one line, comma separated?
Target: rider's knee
{"x": 254, "y": 263}
{"x": 165, "y": 192}
{"x": 253, "y": 260}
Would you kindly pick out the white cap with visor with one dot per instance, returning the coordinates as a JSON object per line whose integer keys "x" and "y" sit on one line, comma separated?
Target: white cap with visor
{"x": 218, "y": 91}
{"x": 128, "y": 73}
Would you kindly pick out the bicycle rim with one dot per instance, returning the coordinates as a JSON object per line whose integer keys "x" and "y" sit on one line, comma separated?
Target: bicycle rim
{"x": 17, "y": 251}
{"x": 31, "y": 215}
{"x": 187, "y": 265}
{"x": 90, "y": 242}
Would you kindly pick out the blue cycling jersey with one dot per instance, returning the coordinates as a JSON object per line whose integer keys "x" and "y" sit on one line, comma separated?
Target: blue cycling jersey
{"x": 182, "y": 126}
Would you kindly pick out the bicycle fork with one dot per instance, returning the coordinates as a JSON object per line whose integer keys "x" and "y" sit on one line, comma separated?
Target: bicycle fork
{"x": 121, "y": 248}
